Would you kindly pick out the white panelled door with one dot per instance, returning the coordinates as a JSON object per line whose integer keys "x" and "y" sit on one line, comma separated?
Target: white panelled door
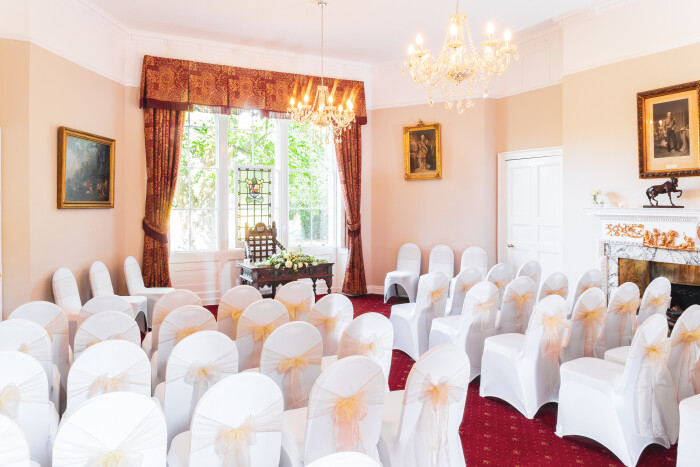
{"x": 530, "y": 208}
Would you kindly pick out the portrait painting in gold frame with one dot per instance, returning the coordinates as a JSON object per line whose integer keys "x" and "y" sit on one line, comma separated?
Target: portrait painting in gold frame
{"x": 422, "y": 158}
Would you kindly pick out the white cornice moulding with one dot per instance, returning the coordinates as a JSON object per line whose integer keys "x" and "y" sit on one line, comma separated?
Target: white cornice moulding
{"x": 682, "y": 215}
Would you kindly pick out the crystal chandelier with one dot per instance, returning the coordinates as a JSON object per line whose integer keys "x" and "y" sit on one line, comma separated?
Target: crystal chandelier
{"x": 460, "y": 65}
{"x": 322, "y": 113}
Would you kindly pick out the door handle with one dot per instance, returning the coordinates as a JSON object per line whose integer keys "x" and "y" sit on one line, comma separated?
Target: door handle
{"x": 510, "y": 245}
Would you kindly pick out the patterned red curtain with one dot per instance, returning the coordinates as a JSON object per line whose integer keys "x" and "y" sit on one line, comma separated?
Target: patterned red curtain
{"x": 349, "y": 155}
{"x": 164, "y": 129}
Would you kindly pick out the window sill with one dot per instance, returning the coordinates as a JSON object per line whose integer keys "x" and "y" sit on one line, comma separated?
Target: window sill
{"x": 206, "y": 256}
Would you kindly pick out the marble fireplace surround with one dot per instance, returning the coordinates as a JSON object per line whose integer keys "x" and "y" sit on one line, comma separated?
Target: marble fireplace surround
{"x": 621, "y": 237}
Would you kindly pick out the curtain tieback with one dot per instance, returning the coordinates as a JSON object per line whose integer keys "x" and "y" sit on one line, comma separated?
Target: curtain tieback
{"x": 354, "y": 228}
{"x": 154, "y": 232}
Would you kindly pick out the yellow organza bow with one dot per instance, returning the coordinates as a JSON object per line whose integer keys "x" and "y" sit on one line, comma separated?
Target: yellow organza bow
{"x": 104, "y": 384}
{"x": 482, "y": 312}
{"x": 226, "y": 310}
{"x": 235, "y": 443}
{"x": 436, "y": 295}
{"x": 372, "y": 346}
{"x": 328, "y": 322}
{"x": 436, "y": 409}
{"x": 500, "y": 284}
{"x": 562, "y": 292}
{"x": 628, "y": 313}
{"x": 592, "y": 320}
{"x": 467, "y": 286}
{"x": 690, "y": 356}
{"x": 347, "y": 414}
{"x": 184, "y": 332}
{"x": 111, "y": 459}
{"x": 295, "y": 310}
{"x": 261, "y": 333}
{"x": 521, "y": 303}
{"x": 10, "y": 397}
{"x": 552, "y": 344}
{"x": 294, "y": 363}
{"x": 202, "y": 377}
{"x": 661, "y": 300}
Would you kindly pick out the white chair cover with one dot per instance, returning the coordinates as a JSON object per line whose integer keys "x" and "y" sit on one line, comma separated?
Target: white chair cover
{"x": 52, "y": 318}
{"x": 104, "y": 303}
{"x": 255, "y": 326}
{"x": 231, "y": 307}
{"x": 555, "y": 284}
{"x": 442, "y": 259}
{"x": 101, "y": 284}
{"x": 684, "y": 362}
{"x": 656, "y": 299}
{"x": 587, "y": 324}
{"x": 459, "y": 286}
{"x": 28, "y": 337}
{"x": 24, "y": 399}
{"x": 589, "y": 279}
{"x": 346, "y": 459}
{"x": 406, "y": 274}
{"x": 523, "y": 370}
{"x": 470, "y": 330}
{"x": 135, "y": 287}
{"x": 291, "y": 357}
{"x": 196, "y": 364}
{"x": 14, "y": 449}
{"x": 475, "y": 257}
{"x": 412, "y": 321}
{"x": 533, "y": 270}
{"x": 622, "y": 318}
{"x": 238, "y": 422}
{"x": 331, "y": 314}
{"x": 516, "y": 307}
{"x": 109, "y": 366}
{"x": 344, "y": 414}
{"x": 177, "y": 325}
{"x": 625, "y": 408}
{"x": 113, "y": 429}
{"x": 688, "y": 446}
{"x": 298, "y": 298}
{"x": 421, "y": 429}
{"x": 167, "y": 303}
{"x": 106, "y": 326}
{"x": 67, "y": 296}
{"x": 500, "y": 275}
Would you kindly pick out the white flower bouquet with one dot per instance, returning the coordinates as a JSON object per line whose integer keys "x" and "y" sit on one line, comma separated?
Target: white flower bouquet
{"x": 291, "y": 260}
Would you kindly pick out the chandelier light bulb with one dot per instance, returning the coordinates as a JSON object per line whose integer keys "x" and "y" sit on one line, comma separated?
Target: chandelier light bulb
{"x": 330, "y": 100}
{"x": 506, "y": 36}
{"x": 490, "y": 28}
{"x": 340, "y": 108}
{"x": 411, "y": 49}
{"x": 350, "y": 105}
{"x": 291, "y": 102}
{"x": 306, "y": 99}
{"x": 419, "y": 40}
{"x": 453, "y": 29}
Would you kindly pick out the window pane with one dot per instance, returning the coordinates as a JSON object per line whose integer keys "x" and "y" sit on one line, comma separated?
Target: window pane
{"x": 319, "y": 190}
{"x": 240, "y": 148}
{"x": 232, "y": 228}
{"x": 201, "y": 119}
{"x": 203, "y": 230}
{"x": 179, "y": 238}
{"x": 202, "y": 147}
{"x": 299, "y": 189}
{"x": 299, "y": 227}
{"x": 299, "y": 146}
{"x": 203, "y": 183}
{"x": 264, "y": 145}
{"x": 243, "y": 120}
{"x": 319, "y": 225}
{"x": 181, "y": 198}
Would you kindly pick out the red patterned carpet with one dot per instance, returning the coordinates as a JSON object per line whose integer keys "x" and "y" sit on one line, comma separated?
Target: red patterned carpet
{"x": 493, "y": 433}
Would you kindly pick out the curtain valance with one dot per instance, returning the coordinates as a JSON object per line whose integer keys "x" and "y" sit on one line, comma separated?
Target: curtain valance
{"x": 173, "y": 84}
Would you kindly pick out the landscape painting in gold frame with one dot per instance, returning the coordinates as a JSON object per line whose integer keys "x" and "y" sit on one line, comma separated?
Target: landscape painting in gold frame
{"x": 85, "y": 170}
{"x": 668, "y": 127}
{"x": 422, "y": 158}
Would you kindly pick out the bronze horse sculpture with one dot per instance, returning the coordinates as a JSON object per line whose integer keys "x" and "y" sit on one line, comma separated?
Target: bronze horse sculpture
{"x": 671, "y": 186}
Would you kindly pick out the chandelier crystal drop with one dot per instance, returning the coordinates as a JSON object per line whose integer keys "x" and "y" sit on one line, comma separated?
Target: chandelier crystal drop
{"x": 322, "y": 113}
{"x": 460, "y": 65}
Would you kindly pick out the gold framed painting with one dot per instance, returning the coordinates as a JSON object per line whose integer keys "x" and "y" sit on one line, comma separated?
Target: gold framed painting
{"x": 668, "y": 126}
{"x": 422, "y": 158}
{"x": 85, "y": 170}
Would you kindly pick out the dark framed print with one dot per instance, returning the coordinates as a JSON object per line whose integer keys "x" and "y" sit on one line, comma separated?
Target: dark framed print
{"x": 85, "y": 170}
{"x": 668, "y": 126}
{"x": 421, "y": 152}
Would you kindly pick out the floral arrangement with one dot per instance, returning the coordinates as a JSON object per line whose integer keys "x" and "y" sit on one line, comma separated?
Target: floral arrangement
{"x": 292, "y": 260}
{"x": 596, "y": 200}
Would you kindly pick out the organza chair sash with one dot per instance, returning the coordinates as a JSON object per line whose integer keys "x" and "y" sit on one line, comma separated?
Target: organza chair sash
{"x": 226, "y": 311}
{"x": 57, "y": 326}
{"x": 85, "y": 449}
{"x": 170, "y": 331}
{"x": 87, "y": 339}
{"x": 159, "y": 314}
{"x": 659, "y": 303}
{"x": 466, "y": 286}
{"x": 627, "y": 309}
{"x": 593, "y": 322}
{"x": 348, "y": 412}
{"x": 200, "y": 375}
{"x": 500, "y": 285}
{"x": 260, "y": 333}
{"x": 656, "y": 418}
{"x": 371, "y": 345}
{"x": 690, "y": 353}
{"x": 547, "y": 291}
{"x": 12, "y": 395}
{"x": 482, "y": 312}
{"x": 37, "y": 348}
{"x": 318, "y": 319}
{"x": 296, "y": 310}
{"x": 522, "y": 303}
{"x": 555, "y": 334}
{"x": 232, "y": 444}
{"x": 296, "y": 394}
{"x": 95, "y": 383}
{"x": 436, "y": 398}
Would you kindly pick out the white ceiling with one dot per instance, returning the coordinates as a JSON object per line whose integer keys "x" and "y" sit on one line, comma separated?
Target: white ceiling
{"x": 362, "y": 30}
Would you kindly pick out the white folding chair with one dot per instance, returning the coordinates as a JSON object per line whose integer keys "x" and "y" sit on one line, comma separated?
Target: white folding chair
{"x": 684, "y": 362}
{"x": 108, "y": 366}
{"x": 624, "y": 408}
{"x": 344, "y": 414}
{"x": 589, "y": 279}
{"x": 167, "y": 303}
{"x": 237, "y": 422}
{"x": 621, "y": 319}
{"x": 555, "y": 284}
{"x": 196, "y": 363}
{"x": 67, "y": 296}
{"x": 101, "y": 284}
{"x": 656, "y": 299}
{"x": 135, "y": 287}
{"x": 105, "y": 326}
{"x": 406, "y": 274}
{"x": 533, "y": 270}
{"x": 346, "y": 459}
{"x": 291, "y": 357}
{"x": 255, "y": 326}
{"x": 442, "y": 259}
{"x": 420, "y": 426}
{"x": 500, "y": 275}
{"x": 298, "y": 298}
{"x": 523, "y": 370}
{"x": 469, "y": 330}
{"x": 104, "y": 303}
{"x": 459, "y": 286}
{"x": 412, "y": 321}
{"x": 52, "y": 318}
{"x": 516, "y": 306}
{"x": 587, "y": 324}
{"x": 177, "y": 325}
{"x": 330, "y": 315}
{"x": 475, "y": 257}
{"x": 30, "y": 338}
{"x": 232, "y": 305}
{"x": 688, "y": 446}
{"x": 112, "y": 429}
{"x": 14, "y": 448}
{"x": 24, "y": 391}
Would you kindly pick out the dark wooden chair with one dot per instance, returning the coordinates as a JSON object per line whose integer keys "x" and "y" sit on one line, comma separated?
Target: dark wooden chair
{"x": 261, "y": 242}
